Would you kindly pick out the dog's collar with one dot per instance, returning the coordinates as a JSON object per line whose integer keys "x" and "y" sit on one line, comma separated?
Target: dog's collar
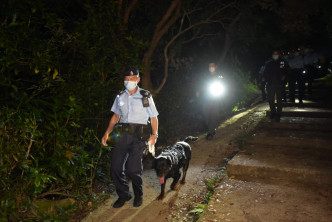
{"x": 167, "y": 157}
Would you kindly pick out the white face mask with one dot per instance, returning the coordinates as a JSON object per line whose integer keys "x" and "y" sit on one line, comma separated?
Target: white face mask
{"x": 130, "y": 85}
{"x": 212, "y": 69}
{"x": 275, "y": 57}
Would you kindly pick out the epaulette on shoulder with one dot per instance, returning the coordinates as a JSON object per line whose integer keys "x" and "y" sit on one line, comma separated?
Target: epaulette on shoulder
{"x": 145, "y": 93}
{"x": 120, "y": 93}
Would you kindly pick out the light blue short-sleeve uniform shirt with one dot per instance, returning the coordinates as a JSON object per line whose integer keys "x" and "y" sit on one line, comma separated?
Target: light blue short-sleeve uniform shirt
{"x": 131, "y": 110}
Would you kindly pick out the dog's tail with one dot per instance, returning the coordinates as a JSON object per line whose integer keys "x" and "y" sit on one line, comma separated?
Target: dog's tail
{"x": 190, "y": 138}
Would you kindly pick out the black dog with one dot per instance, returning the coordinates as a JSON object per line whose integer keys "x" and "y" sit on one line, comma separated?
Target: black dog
{"x": 169, "y": 162}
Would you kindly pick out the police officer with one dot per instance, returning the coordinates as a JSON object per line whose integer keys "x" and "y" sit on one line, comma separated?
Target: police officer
{"x": 274, "y": 75}
{"x": 132, "y": 108}
{"x": 296, "y": 64}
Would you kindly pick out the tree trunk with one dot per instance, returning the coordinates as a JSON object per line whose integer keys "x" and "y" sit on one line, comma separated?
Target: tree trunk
{"x": 228, "y": 39}
{"x": 170, "y": 17}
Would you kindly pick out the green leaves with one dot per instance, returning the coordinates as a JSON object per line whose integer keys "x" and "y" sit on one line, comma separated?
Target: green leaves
{"x": 42, "y": 180}
{"x": 43, "y": 147}
{"x": 199, "y": 209}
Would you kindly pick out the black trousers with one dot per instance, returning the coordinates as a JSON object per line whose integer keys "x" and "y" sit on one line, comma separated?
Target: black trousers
{"x": 283, "y": 90}
{"x": 127, "y": 157}
{"x": 275, "y": 92}
{"x": 291, "y": 85}
{"x": 296, "y": 76}
{"x": 212, "y": 113}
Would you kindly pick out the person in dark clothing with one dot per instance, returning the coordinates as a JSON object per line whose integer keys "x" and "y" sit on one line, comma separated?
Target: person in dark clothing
{"x": 296, "y": 65}
{"x": 210, "y": 96}
{"x": 310, "y": 59}
{"x": 274, "y": 74}
{"x": 284, "y": 82}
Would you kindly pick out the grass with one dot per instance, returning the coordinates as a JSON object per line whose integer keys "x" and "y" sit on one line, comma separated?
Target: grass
{"x": 211, "y": 185}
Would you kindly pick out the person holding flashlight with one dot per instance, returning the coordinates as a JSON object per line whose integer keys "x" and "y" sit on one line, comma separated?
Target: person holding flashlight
{"x": 132, "y": 108}
{"x": 213, "y": 89}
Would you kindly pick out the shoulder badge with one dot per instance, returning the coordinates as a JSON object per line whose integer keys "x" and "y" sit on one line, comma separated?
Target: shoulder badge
{"x": 120, "y": 93}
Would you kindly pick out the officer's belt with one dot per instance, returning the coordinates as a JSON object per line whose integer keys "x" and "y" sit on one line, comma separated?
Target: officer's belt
{"x": 131, "y": 128}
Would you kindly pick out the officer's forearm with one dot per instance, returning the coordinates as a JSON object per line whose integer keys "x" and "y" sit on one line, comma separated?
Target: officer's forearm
{"x": 114, "y": 120}
{"x": 154, "y": 125}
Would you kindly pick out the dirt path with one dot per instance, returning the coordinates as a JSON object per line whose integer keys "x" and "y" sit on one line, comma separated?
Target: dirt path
{"x": 208, "y": 158}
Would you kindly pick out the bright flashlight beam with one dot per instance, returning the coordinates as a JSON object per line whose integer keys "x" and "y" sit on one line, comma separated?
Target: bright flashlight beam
{"x": 216, "y": 89}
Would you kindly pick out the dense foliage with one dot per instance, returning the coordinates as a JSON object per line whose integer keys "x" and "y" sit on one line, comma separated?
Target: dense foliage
{"x": 57, "y": 81}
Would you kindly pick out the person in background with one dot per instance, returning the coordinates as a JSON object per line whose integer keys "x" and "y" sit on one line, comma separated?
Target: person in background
{"x": 309, "y": 61}
{"x": 274, "y": 74}
{"x": 284, "y": 57}
{"x": 296, "y": 75}
{"x": 211, "y": 104}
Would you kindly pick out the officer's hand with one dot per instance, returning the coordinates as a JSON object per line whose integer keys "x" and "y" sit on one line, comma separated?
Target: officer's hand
{"x": 283, "y": 78}
{"x": 153, "y": 139}
{"x": 104, "y": 140}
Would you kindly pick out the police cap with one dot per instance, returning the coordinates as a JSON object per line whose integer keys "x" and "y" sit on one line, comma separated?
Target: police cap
{"x": 131, "y": 72}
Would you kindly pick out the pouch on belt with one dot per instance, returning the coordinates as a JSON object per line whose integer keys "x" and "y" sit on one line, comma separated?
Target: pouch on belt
{"x": 142, "y": 131}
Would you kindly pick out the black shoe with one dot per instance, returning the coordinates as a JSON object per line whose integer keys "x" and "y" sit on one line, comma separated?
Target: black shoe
{"x": 120, "y": 202}
{"x": 138, "y": 201}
